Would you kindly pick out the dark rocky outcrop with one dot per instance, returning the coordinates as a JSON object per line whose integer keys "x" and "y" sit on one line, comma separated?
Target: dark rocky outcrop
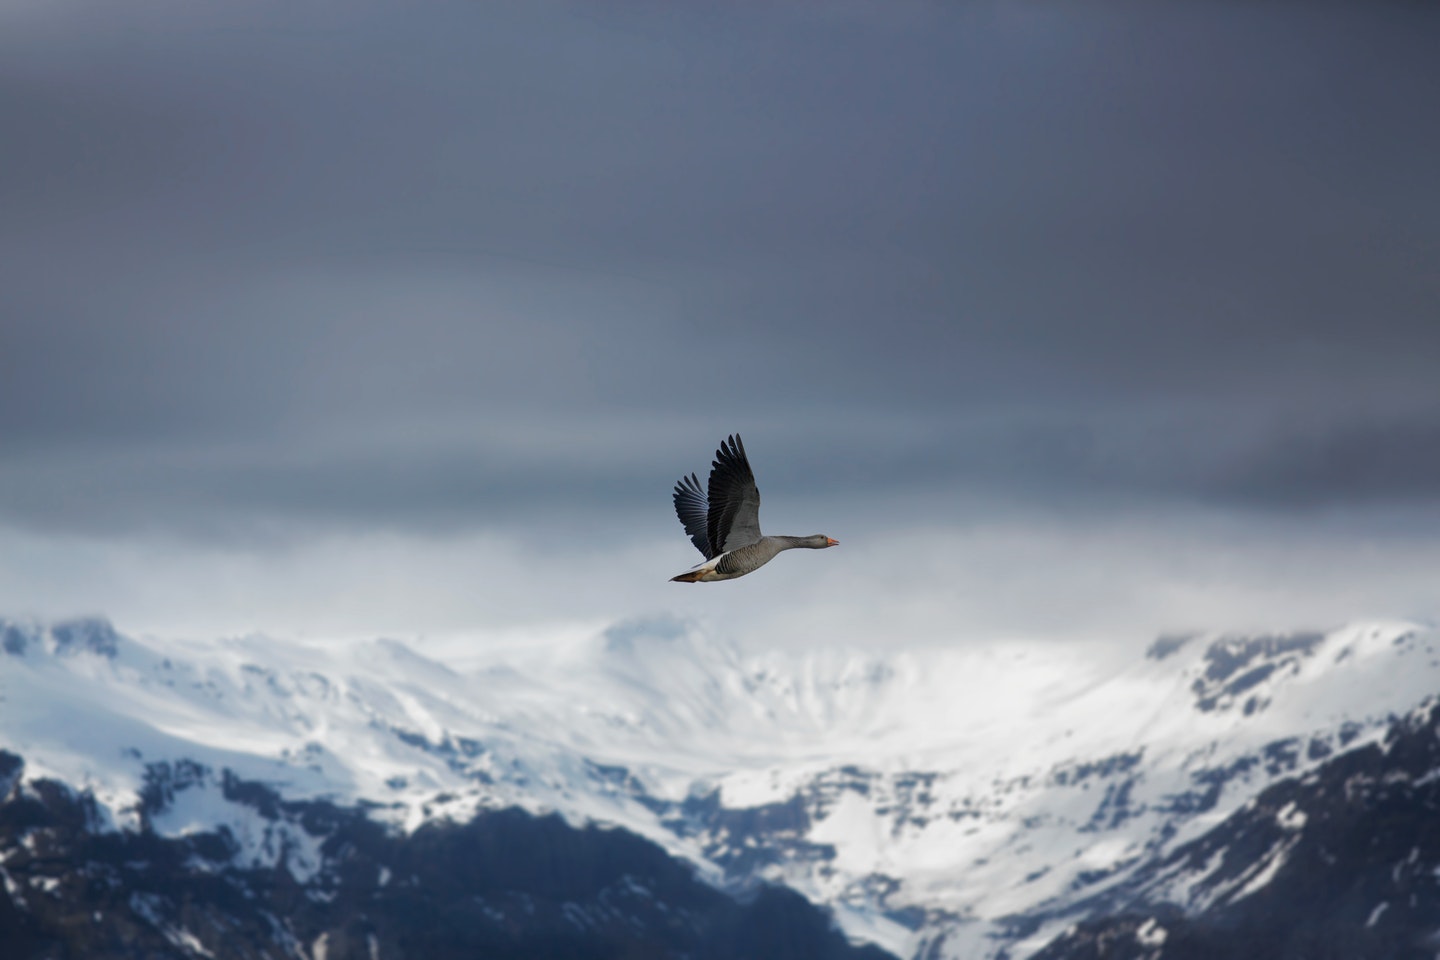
{"x": 506, "y": 884}
{"x": 1343, "y": 863}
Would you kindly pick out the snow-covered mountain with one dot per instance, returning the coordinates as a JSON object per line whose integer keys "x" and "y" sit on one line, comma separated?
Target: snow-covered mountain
{"x": 972, "y": 802}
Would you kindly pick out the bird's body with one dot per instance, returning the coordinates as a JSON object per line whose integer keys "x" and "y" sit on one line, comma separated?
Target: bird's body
{"x": 743, "y": 560}
{"x": 725, "y": 527}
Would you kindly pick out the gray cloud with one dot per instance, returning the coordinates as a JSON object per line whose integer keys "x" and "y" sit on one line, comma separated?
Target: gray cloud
{"x": 1397, "y": 462}
{"x": 476, "y": 265}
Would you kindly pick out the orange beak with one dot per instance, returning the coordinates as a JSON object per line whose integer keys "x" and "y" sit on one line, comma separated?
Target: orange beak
{"x": 831, "y": 542}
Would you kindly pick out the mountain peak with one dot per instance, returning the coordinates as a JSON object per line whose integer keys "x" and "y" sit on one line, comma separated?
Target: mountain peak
{"x": 1236, "y": 665}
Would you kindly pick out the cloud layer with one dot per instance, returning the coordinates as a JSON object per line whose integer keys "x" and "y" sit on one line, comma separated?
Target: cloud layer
{"x": 277, "y": 276}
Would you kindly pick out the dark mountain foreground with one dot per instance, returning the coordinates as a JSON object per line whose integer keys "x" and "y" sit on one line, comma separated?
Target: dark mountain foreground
{"x": 504, "y": 885}
{"x": 1342, "y": 863}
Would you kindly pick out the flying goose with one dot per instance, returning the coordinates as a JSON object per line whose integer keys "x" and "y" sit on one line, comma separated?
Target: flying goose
{"x": 726, "y": 529}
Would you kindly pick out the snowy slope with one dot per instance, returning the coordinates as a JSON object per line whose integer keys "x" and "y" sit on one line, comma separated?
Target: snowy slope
{"x": 962, "y": 801}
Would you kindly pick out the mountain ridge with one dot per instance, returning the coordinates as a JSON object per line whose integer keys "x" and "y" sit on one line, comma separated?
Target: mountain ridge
{"x": 964, "y": 803}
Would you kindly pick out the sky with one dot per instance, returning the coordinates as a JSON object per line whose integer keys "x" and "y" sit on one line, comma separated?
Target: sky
{"x": 1071, "y": 320}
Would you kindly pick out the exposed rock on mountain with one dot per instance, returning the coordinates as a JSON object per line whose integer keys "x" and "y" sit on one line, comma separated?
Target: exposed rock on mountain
{"x": 504, "y": 885}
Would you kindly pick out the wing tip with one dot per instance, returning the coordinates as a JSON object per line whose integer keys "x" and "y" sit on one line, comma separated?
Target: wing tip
{"x": 732, "y": 448}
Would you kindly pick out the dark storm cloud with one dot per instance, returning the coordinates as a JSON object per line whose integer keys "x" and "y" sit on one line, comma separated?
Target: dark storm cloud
{"x": 1104, "y": 249}
{"x": 1389, "y": 461}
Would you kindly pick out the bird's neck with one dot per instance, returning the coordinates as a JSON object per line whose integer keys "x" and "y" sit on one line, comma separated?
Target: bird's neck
{"x": 790, "y": 543}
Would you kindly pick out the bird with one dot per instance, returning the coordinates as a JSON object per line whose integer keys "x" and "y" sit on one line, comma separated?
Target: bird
{"x": 725, "y": 528}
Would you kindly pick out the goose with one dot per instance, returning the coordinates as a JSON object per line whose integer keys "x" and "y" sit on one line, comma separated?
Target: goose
{"x": 726, "y": 527}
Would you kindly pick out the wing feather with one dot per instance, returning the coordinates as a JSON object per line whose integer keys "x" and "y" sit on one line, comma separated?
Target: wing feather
{"x": 734, "y": 516}
{"x": 692, "y": 509}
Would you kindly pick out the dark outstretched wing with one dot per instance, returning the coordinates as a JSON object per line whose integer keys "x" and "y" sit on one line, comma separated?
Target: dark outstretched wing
{"x": 734, "y": 518}
{"x": 691, "y": 507}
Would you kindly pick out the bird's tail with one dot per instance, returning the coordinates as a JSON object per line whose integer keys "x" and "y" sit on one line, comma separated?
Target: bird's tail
{"x": 692, "y": 577}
